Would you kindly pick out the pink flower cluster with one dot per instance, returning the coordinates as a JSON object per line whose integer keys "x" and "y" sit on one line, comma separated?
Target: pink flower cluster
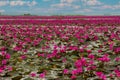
{"x": 4, "y": 57}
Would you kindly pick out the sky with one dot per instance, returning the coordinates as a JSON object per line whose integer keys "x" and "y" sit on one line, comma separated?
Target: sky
{"x": 60, "y": 7}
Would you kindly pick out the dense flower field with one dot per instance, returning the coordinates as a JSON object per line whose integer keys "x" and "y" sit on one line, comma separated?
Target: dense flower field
{"x": 77, "y": 50}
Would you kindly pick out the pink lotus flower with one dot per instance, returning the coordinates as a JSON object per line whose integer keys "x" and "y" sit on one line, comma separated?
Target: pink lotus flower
{"x": 64, "y": 60}
{"x": 117, "y": 50}
{"x": 91, "y": 56}
{"x": 65, "y": 71}
{"x": 33, "y": 74}
{"x": 81, "y": 50}
{"x": 105, "y": 58}
{"x": 81, "y": 40}
{"x": 4, "y": 66}
{"x": 4, "y": 62}
{"x": 78, "y": 63}
{"x": 74, "y": 72}
{"x": 89, "y": 51}
{"x": 41, "y": 54}
{"x": 42, "y": 75}
{"x": 3, "y": 53}
{"x": 73, "y": 48}
{"x": 1, "y": 70}
{"x": 10, "y": 68}
{"x": 81, "y": 62}
{"x": 91, "y": 62}
{"x": 99, "y": 51}
{"x": 101, "y": 75}
{"x": 117, "y": 59}
{"x": 117, "y": 72}
{"x": 23, "y": 57}
{"x": 113, "y": 35}
{"x": 73, "y": 77}
{"x": 3, "y": 48}
{"x": 111, "y": 75}
{"x": 7, "y": 56}
{"x": 79, "y": 70}
{"x": 91, "y": 67}
{"x": 95, "y": 37}
{"x": 111, "y": 46}
{"x": 17, "y": 48}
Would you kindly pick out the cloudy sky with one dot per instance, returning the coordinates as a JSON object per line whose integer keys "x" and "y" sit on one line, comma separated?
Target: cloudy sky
{"x": 58, "y": 7}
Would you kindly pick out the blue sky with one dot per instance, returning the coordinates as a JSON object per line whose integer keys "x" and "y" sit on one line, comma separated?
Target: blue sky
{"x": 60, "y": 7}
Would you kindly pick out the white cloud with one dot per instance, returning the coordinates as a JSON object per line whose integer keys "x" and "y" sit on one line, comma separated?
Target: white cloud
{"x": 3, "y": 3}
{"x": 87, "y": 10}
{"x": 66, "y": 3}
{"x": 83, "y": 10}
{"x": 31, "y": 3}
{"x": 110, "y": 7}
{"x": 76, "y": 6}
{"x": 17, "y": 3}
{"x": 61, "y": 5}
{"x": 105, "y": 6}
{"x": 2, "y": 10}
{"x": 116, "y": 6}
{"x": 91, "y": 2}
{"x": 46, "y": 0}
